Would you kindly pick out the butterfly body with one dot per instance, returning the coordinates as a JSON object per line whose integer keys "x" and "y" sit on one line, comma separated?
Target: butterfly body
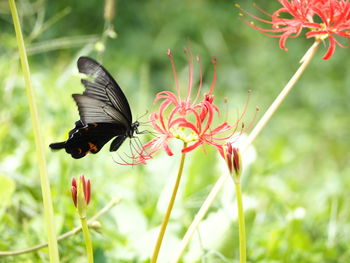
{"x": 104, "y": 113}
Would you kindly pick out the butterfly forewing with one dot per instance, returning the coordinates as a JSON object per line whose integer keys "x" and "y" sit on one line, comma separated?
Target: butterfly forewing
{"x": 103, "y": 87}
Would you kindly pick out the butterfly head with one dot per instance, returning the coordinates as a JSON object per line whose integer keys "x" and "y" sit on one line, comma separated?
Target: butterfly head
{"x": 134, "y": 128}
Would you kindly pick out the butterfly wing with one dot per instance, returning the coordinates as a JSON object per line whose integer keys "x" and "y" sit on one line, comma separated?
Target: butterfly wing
{"x": 88, "y": 139}
{"x": 104, "y": 113}
{"x": 117, "y": 142}
{"x": 101, "y": 86}
{"x": 94, "y": 111}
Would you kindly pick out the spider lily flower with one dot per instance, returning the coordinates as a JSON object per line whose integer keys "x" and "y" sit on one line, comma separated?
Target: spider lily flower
{"x": 181, "y": 117}
{"x": 324, "y": 18}
{"x": 81, "y": 193}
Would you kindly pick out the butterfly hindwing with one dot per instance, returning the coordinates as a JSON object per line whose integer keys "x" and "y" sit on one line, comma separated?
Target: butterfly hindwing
{"x": 103, "y": 87}
{"x": 61, "y": 145}
{"x": 116, "y": 143}
{"x": 89, "y": 139}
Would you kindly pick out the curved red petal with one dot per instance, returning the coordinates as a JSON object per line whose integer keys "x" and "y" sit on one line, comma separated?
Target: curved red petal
{"x": 88, "y": 192}
{"x": 74, "y": 195}
{"x": 331, "y": 48}
{"x": 191, "y": 147}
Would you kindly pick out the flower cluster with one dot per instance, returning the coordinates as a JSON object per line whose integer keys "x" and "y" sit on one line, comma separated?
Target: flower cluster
{"x": 184, "y": 118}
{"x": 324, "y": 18}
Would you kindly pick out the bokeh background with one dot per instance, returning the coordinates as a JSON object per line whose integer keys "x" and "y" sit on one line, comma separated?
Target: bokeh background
{"x": 296, "y": 185}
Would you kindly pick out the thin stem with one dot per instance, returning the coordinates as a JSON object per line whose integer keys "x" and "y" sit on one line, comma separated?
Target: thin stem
{"x": 65, "y": 235}
{"x": 44, "y": 181}
{"x": 255, "y": 132}
{"x": 280, "y": 98}
{"x": 169, "y": 209}
{"x": 241, "y": 224}
{"x": 88, "y": 243}
{"x": 199, "y": 216}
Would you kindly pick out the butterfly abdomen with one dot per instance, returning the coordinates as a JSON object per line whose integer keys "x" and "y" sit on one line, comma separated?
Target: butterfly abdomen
{"x": 58, "y": 145}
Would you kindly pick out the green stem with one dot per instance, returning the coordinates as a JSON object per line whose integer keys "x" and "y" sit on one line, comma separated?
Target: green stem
{"x": 88, "y": 243}
{"x": 45, "y": 185}
{"x": 241, "y": 224}
{"x": 305, "y": 61}
{"x": 168, "y": 212}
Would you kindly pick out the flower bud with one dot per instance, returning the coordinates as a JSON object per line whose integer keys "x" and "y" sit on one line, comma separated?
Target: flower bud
{"x": 81, "y": 193}
{"x": 233, "y": 161}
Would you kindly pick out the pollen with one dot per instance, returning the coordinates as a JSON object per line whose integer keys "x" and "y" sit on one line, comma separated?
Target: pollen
{"x": 181, "y": 135}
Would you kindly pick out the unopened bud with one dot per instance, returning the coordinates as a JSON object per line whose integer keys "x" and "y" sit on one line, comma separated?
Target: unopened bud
{"x": 234, "y": 162}
{"x": 81, "y": 193}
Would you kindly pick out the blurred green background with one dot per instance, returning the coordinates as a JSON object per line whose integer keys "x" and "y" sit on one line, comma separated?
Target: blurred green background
{"x": 296, "y": 187}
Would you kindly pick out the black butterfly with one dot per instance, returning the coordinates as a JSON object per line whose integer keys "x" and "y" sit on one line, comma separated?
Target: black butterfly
{"x": 104, "y": 113}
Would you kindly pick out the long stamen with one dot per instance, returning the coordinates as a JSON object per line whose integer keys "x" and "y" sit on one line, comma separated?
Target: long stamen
{"x": 175, "y": 75}
{"x": 214, "y": 77}
{"x": 200, "y": 80}
{"x": 226, "y": 108}
{"x": 245, "y": 107}
{"x": 257, "y": 7}
{"x": 236, "y": 124}
{"x": 190, "y": 72}
{"x": 236, "y": 135}
{"x": 247, "y": 128}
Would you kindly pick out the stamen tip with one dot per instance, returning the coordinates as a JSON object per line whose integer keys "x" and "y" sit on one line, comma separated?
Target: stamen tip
{"x": 238, "y": 5}
{"x": 257, "y": 108}
{"x": 169, "y": 52}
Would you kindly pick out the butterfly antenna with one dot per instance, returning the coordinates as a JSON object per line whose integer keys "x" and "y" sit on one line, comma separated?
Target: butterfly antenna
{"x": 145, "y": 122}
{"x": 143, "y": 115}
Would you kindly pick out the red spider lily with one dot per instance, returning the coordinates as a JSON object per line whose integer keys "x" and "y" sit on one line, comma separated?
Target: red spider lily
{"x": 183, "y": 118}
{"x": 86, "y": 188}
{"x": 324, "y": 18}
